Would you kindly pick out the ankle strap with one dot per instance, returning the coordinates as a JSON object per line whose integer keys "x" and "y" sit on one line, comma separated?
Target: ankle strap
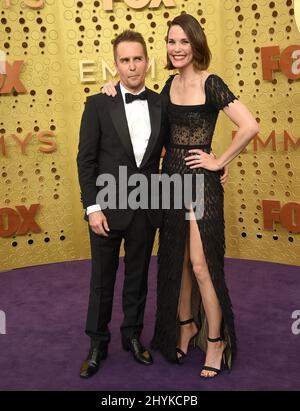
{"x": 214, "y": 339}
{"x": 186, "y": 321}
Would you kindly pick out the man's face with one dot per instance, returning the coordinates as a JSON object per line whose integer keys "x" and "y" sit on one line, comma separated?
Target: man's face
{"x": 131, "y": 64}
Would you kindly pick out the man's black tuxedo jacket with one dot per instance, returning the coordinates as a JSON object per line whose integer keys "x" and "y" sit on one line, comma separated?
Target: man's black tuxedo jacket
{"x": 105, "y": 145}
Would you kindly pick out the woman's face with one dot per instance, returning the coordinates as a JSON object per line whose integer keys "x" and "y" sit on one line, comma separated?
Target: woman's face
{"x": 179, "y": 48}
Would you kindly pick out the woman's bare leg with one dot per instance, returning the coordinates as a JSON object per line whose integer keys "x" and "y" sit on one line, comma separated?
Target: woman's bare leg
{"x": 209, "y": 298}
{"x": 187, "y": 331}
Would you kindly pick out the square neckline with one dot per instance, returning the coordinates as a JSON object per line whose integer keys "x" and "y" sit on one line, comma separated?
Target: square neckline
{"x": 191, "y": 105}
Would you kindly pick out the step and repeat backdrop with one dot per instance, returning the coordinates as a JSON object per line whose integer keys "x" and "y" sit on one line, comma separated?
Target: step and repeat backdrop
{"x": 54, "y": 53}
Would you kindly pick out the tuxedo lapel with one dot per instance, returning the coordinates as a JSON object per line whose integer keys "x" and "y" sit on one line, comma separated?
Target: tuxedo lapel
{"x": 118, "y": 116}
{"x": 154, "y": 104}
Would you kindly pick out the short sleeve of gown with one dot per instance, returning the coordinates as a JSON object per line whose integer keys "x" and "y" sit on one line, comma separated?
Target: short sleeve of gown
{"x": 167, "y": 86}
{"x": 219, "y": 94}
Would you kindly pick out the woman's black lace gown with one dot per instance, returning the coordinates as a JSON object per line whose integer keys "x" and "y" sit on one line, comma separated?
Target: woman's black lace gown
{"x": 193, "y": 127}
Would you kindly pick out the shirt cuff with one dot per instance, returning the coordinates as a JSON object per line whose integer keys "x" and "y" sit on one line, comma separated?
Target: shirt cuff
{"x": 93, "y": 209}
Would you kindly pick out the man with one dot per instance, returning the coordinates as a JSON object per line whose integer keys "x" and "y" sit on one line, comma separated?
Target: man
{"x": 127, "y": 130}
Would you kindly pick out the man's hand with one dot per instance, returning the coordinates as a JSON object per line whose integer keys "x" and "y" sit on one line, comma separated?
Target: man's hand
{"x": 98, "y": 223}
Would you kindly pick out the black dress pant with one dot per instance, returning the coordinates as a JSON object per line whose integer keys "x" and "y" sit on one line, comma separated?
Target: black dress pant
{"x": 138, "y": 244}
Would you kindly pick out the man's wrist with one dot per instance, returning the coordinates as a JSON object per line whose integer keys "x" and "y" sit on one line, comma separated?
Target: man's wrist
{"x": 92, "y": 209}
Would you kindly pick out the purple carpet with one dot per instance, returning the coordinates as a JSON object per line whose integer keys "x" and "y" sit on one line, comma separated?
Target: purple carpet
{"x": 44, "y": 344}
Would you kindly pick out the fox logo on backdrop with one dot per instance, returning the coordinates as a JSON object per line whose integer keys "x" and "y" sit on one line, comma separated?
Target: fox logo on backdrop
{"x": 297, "y": 12}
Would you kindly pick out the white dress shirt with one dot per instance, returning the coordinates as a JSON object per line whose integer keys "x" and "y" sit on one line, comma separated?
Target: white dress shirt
{"x": 138, "y": 120}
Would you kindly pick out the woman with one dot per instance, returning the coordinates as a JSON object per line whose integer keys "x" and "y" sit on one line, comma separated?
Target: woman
{"x": 192, "y": 297}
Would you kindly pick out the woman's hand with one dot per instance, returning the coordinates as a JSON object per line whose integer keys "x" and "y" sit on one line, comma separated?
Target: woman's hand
{"x": 225, "y": 175}
{"x": 225, "y": 171}
{"x": 201, "y": 159}
{"x": 109, "y": 89}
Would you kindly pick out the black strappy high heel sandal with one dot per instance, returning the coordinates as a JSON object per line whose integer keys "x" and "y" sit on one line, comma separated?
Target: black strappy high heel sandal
{"x": 182, "y": 354}
{"x": 223, "y": 361}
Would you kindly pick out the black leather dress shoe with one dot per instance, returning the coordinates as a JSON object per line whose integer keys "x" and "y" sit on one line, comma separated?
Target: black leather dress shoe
{"x": 91, "y": 365}
{"x": 140, "y": 353}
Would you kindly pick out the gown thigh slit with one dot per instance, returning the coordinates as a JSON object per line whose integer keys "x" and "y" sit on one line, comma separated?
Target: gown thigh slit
{"x": 193, "y": 127}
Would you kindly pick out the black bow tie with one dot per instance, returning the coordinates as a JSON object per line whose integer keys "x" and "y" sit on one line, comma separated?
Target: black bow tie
{"x": 129, "y": 98}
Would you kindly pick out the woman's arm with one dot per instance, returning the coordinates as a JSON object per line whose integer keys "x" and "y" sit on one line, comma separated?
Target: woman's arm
{"x": 247, "y": 129}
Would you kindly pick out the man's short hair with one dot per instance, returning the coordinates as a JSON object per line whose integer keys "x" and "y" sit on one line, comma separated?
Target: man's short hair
{"x": 132, "y": 36}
